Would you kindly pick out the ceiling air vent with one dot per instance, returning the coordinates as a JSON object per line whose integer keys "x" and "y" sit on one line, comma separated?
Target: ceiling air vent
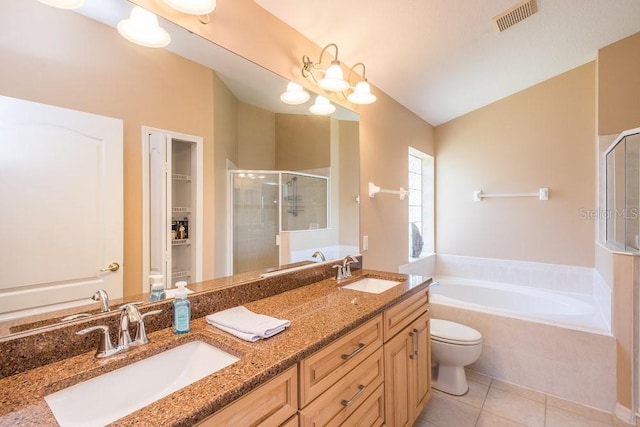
{"x": 517, "y": 13}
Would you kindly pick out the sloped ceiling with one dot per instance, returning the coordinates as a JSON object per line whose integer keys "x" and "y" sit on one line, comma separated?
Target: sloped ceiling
{"x": 444, "y": 58}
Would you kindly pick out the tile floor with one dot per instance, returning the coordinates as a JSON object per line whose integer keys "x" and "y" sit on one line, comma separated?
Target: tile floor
{"x": 494, "y": 403}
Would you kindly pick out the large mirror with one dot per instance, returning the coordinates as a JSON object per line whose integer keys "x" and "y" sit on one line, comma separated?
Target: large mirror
{"x": 71, "y": 60}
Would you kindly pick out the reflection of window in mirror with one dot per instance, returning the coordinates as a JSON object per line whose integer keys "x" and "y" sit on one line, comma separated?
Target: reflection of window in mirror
{"x": 421, "y": 194}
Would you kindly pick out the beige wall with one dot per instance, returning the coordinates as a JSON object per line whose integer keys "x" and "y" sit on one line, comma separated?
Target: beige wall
{"x": 386, "y": 127}
{"x": 102, "y": 73}
{"x": 302, "y": 142}
{"x": 256, "y": 138}
{"x": 619, "y": 86}
{"x": 543, "y": 136}
{"x": 348, "y": 187}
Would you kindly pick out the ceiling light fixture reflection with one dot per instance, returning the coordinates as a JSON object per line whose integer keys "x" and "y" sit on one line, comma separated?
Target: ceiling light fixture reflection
{"x": 322, "y": 106}
{"x": 193, "y": 7}
{"x": 63, "y": 4}
{"x": 295, "y": 94}
{"x": 142, "y": 28}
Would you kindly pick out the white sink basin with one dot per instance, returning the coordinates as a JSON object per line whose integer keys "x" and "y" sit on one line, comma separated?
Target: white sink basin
{"x": 104, "y": 399}
{"x": 371, "y": 285}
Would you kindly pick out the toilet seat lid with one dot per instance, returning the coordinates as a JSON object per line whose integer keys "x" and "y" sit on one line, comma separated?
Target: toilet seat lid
{"x": 452, "y": 332}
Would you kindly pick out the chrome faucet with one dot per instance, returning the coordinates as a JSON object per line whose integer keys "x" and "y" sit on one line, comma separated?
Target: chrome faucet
{"x": 102, "y": 296}
{"x": 346, "y": 265}
{"x": 318, "y": 254}
{"x": 128, "y": 313}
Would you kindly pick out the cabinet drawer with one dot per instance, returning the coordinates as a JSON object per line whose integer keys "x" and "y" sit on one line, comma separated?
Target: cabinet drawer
{"x": 323, "y": 368}
{"x": 345, "y": 397}
{"x": 370, "y": 413}
{"x": 402, "y": 314}
{"x": 271, "y": 404}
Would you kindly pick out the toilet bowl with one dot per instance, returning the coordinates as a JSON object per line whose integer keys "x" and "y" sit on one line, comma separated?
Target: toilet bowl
{"x": 453, "y": 346}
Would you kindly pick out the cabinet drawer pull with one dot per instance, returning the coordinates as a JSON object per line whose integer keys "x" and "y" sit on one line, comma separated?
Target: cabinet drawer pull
{"x": 416, "y": 332}
{"x": 413, "y": 346}
{"x": 361, "y": 390}
{"x": 354, "y": 352}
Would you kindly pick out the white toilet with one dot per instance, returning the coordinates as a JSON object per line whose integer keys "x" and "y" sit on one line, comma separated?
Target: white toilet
{"x": 453, "y": 346}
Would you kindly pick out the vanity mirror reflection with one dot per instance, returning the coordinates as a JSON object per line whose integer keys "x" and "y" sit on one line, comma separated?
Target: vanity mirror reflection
{"x": 70, "y": 60}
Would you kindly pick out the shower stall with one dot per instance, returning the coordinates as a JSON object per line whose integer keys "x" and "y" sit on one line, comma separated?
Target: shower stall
{"x": 266, "y": 206}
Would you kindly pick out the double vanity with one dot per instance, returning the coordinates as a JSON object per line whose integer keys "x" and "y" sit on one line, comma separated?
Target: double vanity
{"x": 357, "y": 352}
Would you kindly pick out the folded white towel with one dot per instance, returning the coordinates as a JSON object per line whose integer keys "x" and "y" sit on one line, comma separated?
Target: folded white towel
{"x": 245, "y": 324}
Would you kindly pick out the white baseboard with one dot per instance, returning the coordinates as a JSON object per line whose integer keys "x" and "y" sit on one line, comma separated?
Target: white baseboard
{"x": 625, "y": 414}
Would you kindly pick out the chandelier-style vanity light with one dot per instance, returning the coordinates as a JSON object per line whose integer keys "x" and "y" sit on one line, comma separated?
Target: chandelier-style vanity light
{"x": 333, "y": 79}
{"x": 63, "y": 4}
{"x": 142, "y": 28}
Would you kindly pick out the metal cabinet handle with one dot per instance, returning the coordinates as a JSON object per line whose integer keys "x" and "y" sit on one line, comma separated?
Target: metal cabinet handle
{"x": 417, "y": 345}
{"x": 113, "y": 267}
{"x": 361, "y": 390}
{"x": 413, "y": 346}
{"x": 361, "y": 346}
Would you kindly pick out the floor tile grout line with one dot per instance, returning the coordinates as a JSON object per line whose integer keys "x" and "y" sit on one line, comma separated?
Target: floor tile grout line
{"x": 483, "y": 401}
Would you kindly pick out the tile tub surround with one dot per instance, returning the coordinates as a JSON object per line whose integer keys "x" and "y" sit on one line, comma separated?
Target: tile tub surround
{"x": 574, "y": 365}
{"x": 557, "y": 277}
{"x": 28, "y": 350}
{"x": 319, "y": 312}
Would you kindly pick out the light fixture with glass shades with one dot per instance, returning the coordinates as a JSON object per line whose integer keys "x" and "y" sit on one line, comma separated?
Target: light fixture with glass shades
{"x": 142, "y": 28}
{"x": 193, "y": 7}
{"x": 295, "y": 94}
{"x": 333, "y": 78}
{"x": 322, "y": 106}
{"x": 361, "y": 94}
{"x": 63, "y": 4}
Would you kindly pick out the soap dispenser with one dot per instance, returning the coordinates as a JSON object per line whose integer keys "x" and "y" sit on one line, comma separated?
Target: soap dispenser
{"x": 181, "y": 310}
{"x": 157, "y": 288}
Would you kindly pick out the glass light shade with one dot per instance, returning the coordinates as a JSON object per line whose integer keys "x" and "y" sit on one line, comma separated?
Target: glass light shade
{"x": 334, "y": 79}
{"x": 193, "y": 7}
{"x": 63, "y": 4}
{"x": 362, "y": 94}
{"x": 142, "y": 28}
{"x": 295, "y": 94}
{"x": 322, "y": 106}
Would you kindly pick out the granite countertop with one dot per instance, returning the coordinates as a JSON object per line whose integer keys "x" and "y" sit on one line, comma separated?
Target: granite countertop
{"x": 319, "y": 313}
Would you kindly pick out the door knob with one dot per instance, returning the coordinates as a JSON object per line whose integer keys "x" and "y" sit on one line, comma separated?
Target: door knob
{"x": 114, "y": 266}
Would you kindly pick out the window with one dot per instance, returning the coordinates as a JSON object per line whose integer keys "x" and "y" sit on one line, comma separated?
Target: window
{"x": 421, "y": 195}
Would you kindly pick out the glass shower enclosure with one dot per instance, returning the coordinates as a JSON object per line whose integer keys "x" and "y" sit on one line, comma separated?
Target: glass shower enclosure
{"x": 266, "y": 203}
{"x": 623, "y": 192}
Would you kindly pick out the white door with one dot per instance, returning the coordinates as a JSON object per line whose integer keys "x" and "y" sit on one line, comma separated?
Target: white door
{"x": 60, "y": 206}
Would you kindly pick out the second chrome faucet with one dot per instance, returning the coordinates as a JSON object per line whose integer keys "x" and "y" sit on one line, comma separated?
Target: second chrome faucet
{"x": 129, "y": 313}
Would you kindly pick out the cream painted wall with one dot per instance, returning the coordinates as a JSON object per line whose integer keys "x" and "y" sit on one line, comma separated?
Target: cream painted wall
{"x": 619, "y": 86}
{"x": 102, "y": 73}
{"x": 302, "y": 142}
{"x": 387, "y": 128}
{"x": 543, "y": 136}
{"x": 256, "y": 138}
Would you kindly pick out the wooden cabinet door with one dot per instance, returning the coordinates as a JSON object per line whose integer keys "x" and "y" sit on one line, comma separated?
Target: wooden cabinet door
{"x": 420, "y": 372}
{"x": 396, "y": 379}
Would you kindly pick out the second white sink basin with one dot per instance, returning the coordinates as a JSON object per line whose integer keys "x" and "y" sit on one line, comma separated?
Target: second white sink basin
{"x": 104, "y": 399}
{"x": 371, "y": 285}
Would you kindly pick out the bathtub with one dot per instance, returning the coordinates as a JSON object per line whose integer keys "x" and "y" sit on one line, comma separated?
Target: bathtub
{"x": 569, "y": 310}
{"x": 554, "y": 342}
